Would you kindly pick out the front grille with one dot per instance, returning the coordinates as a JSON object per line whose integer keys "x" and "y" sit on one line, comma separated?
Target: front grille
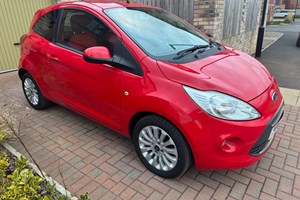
{"x": 265, "y": 140}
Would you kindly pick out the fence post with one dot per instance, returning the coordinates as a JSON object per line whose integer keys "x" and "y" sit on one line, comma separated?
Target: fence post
{"x": 298, "y": 41}
{"x": 261, "y": 31}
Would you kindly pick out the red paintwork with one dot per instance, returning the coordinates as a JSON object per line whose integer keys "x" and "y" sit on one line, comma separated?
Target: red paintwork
{"x": 97, "y": 91}
{"x": 222, "y": 72}
{"x": 97, "y": 52}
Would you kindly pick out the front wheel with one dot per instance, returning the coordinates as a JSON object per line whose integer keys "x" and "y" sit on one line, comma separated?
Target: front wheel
{"x": 161, "y": 147}
{"x": 33, "y": 93}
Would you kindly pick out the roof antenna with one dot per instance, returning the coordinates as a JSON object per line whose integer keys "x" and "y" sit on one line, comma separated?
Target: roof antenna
{"x": 127, "y": 1}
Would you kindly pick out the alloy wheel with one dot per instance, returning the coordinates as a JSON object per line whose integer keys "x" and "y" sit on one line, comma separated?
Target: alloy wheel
{"x": 31, "y": 91}
{"x": 158, "y": 148}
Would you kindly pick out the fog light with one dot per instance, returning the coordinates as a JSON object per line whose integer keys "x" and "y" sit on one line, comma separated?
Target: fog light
{"x": 231, "y": 145}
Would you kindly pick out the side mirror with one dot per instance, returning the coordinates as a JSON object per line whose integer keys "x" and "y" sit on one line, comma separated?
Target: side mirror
{"x": 98, "y": 54}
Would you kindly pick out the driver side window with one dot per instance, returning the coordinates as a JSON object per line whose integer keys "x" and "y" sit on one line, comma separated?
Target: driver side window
{"x": 80, "y": 30}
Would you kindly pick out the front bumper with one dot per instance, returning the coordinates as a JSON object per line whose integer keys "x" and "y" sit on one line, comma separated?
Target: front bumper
{"x": 221, "y": 144}
{"x": 267, "y": 137}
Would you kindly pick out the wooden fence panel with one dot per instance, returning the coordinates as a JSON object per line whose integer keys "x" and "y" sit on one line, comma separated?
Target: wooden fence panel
{"x": 252, "y": 14}
{"x": 181, "y": 8}
{"x": 232, "y": 17}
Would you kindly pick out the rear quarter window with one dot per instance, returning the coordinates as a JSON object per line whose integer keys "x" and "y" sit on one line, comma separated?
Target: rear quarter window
{"x": 45, "y": 25}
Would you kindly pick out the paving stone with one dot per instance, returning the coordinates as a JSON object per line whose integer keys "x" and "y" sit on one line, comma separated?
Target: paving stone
{"x": 128, "y": 193}
{"x": 237, "y": 177}
{"x": 205, "y": 194}
{"x": 222, "y": 192}
{"x": 138, "y": 196}
{"x": 270, "y": 187}
{"x": 238, "y": 190}
{"x": 286, "y": 185}
{"x": 264, "y": 196}
{"x": 191, "y": 183}
{"x": 189, "y": 194}
{"x": 172, "y": 195}
{"x": 175, "y": 184}
{"x": 118, "y": 188}
{"x": 156, "y": 196}
{"x": 223, "y": 179}
{"x": 86, "y": 156}
{"x": 208, "y": 181}
{"x": 254, "y": 188}
{"x": 158, "y": 186}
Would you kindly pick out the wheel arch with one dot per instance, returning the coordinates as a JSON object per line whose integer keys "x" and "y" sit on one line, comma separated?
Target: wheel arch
{"x": 139, "y": 115}
{"x": 136, "y": 117}
{"x": 21, "y": 72}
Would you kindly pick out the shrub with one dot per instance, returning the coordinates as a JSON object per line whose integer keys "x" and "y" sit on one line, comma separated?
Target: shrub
{"x": 288, "y": 18}
{"x": 4, "y": 164}
{"x": 24, "y": 184}
{"x": 2, "y": 137}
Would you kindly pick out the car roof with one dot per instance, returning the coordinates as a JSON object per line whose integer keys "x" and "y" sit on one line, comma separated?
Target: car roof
{"x": 103, "y": 4}
{"x": 92, "y": 4}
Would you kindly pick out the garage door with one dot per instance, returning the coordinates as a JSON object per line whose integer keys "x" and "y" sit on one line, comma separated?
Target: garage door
{"x": 15, "y": 18}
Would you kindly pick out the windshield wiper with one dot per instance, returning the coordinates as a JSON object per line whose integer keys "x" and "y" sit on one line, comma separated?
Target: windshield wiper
{"x": 212, "y": 43}
{"x": 173, "y": 45}
{"x": 182, "y": 53}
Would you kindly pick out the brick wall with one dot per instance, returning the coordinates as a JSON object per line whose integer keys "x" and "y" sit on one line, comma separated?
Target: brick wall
{"x": 289, "y": 4}
{"x": 208, "y": 17}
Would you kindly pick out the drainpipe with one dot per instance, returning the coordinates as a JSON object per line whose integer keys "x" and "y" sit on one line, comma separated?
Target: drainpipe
{"x": 261, "y": 31}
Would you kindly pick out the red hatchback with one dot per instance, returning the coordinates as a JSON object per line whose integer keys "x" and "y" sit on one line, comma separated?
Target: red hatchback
{"x": 149, "y": 75}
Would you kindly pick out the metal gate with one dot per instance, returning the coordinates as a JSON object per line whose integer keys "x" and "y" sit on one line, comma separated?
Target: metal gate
{"x": 15, "y": 18}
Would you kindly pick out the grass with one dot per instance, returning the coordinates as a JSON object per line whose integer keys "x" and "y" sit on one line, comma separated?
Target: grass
{"x": 275, "y": 22}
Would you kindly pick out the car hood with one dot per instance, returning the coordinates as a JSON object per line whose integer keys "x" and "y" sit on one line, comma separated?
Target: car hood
{"x": 231, "y": 72}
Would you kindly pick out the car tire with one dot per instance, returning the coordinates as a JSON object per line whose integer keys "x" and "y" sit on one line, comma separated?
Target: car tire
{"x": 33, "y": 93}
{"x": 161, "y": 147}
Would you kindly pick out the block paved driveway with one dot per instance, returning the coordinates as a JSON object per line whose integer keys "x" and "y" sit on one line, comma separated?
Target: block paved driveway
{"x": 94, "y": 159}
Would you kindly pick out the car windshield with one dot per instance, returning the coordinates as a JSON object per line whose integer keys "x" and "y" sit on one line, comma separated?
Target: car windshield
{"x": 157, "y": 32}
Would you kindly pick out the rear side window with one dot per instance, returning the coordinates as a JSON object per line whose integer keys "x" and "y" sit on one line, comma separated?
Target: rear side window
{"x": 45, "y": 25}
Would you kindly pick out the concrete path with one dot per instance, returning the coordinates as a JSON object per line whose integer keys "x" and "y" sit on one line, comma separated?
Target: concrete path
{"x": 291, "y": 96}
{"x": 87, "y": 157}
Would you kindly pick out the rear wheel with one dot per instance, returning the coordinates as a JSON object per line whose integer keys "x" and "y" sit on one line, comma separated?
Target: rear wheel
{"x": 161, "y": 147}
{"x": 33, "y": 93}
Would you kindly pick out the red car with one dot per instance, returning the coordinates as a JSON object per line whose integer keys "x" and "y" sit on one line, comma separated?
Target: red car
{"x": 181, "y": 97}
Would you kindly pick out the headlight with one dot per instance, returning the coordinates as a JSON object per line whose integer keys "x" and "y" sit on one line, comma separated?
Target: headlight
{"x": 221, "y": 105}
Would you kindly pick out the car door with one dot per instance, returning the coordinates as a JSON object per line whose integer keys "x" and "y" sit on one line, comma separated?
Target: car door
{"x": 36, "y": 46}
{"x": 91, "y": 89}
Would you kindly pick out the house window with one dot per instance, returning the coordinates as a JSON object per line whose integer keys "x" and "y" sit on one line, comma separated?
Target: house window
{"x": 232, "y": 17}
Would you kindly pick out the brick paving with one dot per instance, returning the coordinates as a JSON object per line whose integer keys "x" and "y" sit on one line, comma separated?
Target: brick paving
{"x": 87, "y": 157}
